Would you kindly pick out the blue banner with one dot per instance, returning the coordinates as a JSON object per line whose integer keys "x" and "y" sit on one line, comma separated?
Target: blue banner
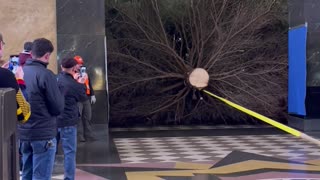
{"x": 297, "y": 71}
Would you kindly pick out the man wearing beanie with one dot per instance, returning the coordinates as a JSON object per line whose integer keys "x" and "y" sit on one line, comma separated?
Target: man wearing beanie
{"x": 25, "y": 54}
{"x": 73, "y": 92}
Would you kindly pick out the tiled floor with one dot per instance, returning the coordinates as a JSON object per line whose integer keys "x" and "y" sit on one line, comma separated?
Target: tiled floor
{"x": 201, "y": 149}
{"x": 236, "y": 153}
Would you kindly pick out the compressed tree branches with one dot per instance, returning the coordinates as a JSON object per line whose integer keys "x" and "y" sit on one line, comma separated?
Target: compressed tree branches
{"x": 154, "y": 45}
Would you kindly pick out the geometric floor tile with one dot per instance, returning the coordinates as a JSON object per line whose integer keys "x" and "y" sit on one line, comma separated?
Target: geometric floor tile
{"x": 209, "y": 148}
{"x": 236, "y": 166}
{"x": 234, "y": 154}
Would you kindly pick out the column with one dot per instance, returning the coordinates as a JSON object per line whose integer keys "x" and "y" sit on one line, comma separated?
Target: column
{"x": 81, "y": 31}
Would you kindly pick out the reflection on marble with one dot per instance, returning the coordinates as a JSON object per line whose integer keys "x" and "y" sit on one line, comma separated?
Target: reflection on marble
{"x": 81, "y": 17}
{"x": 299, "y": 13}
{"x": 311, "y": 13}
{"x": 91, "y": 49}
{"x": 296, "y": 12}
{"x": 100, "y": 108}
{"x": 23, "y": 21}
{"x": 313, "y": 68}
{"x": 312, "y": 16}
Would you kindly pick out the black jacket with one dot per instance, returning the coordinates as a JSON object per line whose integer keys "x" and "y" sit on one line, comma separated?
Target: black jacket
{"x": 73, "y": 92}
{"x": 45, "y": 100}
{"x": 7, "y": 79}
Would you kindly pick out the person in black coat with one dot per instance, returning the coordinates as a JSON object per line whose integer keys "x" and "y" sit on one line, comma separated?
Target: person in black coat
{"x": 37, "y": 135}
{"x": 73, "y": 93}
{"x": 9, "y": 80}
{"x": 15, "y": 81}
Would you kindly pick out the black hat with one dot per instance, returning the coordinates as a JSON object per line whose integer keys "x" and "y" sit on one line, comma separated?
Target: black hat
{"x": 68, "y": 63}
{"x": 27, "y": 46}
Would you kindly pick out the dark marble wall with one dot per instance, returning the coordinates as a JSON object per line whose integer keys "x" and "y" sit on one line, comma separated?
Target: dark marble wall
{"x": 296, "y": 12}
{"x": 312, "y": 16}
{"x": 81, "y": 31}
{"x": 301, "y": 11}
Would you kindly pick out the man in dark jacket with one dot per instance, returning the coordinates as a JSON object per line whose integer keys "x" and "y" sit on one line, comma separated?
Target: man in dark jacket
{"x": 73, "y": 92}
{"x": 37, "y": 136}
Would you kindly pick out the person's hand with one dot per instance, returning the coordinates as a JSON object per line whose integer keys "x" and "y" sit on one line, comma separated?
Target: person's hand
{"x": 81, "y": 79}
{"x": 6, "y": 65}
{"x": 19, "y": 73}
{"x": 93, "y": 99}
{"x": 76, "y": 76}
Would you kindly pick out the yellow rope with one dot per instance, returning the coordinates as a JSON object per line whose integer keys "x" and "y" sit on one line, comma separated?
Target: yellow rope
{"x": 257, "y": 115}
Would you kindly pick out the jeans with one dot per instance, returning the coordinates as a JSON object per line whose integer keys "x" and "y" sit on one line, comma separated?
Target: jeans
{"x": 20, "y": 156}
{"x": 68, "y": 138}
{"x": 38, "y": 159}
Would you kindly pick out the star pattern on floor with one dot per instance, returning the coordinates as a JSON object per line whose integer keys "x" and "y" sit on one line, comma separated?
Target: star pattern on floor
{"x": 237, "y": 166}
{"x": 80, "y": 175}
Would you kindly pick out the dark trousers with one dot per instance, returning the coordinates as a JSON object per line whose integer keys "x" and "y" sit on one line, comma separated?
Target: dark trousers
{"x": 84, "y": 126}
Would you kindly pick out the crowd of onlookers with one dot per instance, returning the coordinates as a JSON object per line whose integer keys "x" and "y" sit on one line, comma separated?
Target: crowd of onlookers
{"x": 50, "y": 108}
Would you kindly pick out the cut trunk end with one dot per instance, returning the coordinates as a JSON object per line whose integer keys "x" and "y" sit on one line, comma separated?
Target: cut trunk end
{"x": 199, "y": 78}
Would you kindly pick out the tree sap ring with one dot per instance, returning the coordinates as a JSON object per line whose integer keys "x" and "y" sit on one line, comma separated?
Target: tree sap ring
{"x": 198, "y": 78}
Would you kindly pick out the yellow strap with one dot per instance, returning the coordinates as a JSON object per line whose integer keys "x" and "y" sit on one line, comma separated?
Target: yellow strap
{"x": 19, "y": 111}
{"x": 257, "y": 115}
{"x": 26, "y": 117}
{"x": 24, "y": 107}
